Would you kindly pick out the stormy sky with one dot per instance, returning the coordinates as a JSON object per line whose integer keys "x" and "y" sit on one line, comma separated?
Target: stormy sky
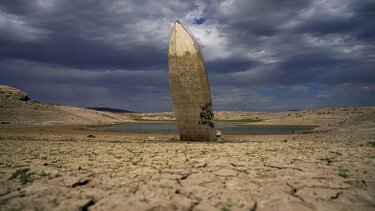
{"x": 268, "y": 55}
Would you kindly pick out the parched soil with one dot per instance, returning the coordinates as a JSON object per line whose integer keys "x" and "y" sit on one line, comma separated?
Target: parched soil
{"x": 71, "y": 168}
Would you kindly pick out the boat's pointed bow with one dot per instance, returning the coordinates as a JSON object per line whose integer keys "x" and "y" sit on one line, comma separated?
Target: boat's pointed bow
{"x": 182, "y": 41}
{"x": 189, "y": 86}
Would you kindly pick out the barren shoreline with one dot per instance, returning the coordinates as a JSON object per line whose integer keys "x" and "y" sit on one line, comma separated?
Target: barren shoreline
{"x": 54, "y": 158}
{"x": 330, "y": 169}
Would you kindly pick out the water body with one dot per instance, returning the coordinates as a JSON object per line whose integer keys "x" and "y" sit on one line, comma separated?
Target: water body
{"x": 225, "y": 127}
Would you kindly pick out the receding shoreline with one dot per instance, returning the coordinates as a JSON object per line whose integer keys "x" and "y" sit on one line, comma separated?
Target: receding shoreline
{"x": 54, "y": 157}
{"x": 69, "y": 166}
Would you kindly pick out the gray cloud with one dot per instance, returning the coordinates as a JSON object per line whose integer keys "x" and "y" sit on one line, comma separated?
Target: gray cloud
{"x": 260, "y": 55}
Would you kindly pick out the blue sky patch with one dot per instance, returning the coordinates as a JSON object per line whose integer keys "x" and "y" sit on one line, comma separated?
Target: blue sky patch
{"x": 199, "y": 21}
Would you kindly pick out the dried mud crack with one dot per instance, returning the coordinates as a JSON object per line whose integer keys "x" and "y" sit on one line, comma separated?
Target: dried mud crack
{"x": 254, "y": 207}
{"x": 294, "y": 191}
{"x": 330, "y": 170}
{"x": 336, "y": 196}
{"x": 88, "y": 204}
{"x": 81, "y": 183}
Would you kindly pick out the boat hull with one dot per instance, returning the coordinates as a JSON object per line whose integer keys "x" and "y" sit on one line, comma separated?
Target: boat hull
{"x": 189, "y": 87}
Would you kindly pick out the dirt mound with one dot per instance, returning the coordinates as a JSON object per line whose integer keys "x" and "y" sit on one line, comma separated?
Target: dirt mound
{"x": 16, "y": 107}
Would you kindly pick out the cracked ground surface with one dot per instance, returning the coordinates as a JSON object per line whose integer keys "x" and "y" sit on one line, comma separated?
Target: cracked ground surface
{"x": 67, "y": 170}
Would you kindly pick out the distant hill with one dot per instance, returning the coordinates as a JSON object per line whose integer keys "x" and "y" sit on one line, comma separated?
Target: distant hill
{"x": 112, "y": 110}
{"x": 17, "y": 107}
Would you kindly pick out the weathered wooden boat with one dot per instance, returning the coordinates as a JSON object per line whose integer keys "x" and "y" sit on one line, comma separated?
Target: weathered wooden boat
{"x": 189, "y": 87}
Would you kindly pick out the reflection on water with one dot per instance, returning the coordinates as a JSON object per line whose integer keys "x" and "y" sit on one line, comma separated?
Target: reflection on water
{"x": 224, "y": 127}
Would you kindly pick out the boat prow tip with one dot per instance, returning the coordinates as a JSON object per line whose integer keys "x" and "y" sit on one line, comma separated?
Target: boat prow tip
{"x": 179, "y": 21}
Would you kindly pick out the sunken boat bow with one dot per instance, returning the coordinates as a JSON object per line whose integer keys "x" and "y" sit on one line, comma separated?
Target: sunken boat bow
{"x": 189, "y": 87}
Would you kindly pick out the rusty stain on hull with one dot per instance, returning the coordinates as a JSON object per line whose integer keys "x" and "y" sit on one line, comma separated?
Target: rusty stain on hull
{"x": 189, "y": 87}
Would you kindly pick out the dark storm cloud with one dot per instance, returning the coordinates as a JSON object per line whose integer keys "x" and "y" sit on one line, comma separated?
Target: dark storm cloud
{"x": 87, "y": 34}
{"x": 260, "y": 55}
{"x": 313, "y": 42}
{"x": 229, "y": 65}
{"x": 328, "y": 44}
{"x": 82, "y": 48}
{"x": 261, "y": 18}
{"x": 354, "y": 20}
{"x": 38, "y": 72}
{"x": 76, "y": 52}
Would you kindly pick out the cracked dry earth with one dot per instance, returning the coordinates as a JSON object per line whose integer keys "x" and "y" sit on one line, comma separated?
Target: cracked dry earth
{"x": 326, "y": 170}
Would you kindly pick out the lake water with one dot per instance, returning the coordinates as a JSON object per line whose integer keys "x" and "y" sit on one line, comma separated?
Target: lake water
{"x": 225, "y": 127}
